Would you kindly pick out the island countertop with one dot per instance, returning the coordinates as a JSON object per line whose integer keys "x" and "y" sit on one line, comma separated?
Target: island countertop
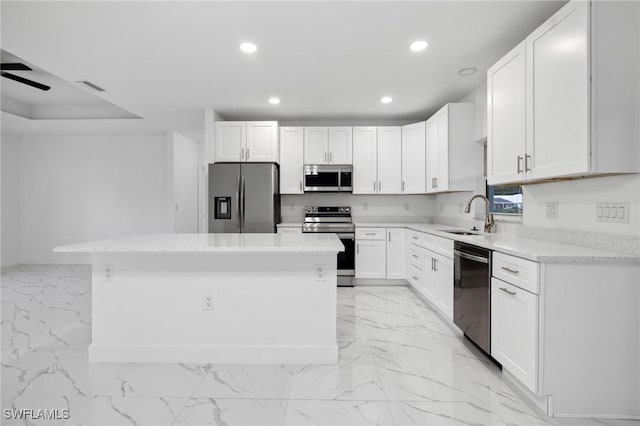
{"x": 205, "y": 243}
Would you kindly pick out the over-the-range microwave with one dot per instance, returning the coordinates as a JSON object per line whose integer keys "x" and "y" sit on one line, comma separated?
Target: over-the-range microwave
{"x": 327, "y": 178}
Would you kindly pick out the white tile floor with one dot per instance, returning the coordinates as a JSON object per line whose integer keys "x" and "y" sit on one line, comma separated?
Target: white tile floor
{"x": 399, "y": 364}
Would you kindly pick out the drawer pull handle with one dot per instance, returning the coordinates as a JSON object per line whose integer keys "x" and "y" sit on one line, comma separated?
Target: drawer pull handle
{"x": 415, "y": 238}
{"x": 415, "y": 278}
{"x": 513, "y": 293}
{"x": 370, "y": 233}
{"x": 513, "y": 271}
{"x": 415, "y": 255}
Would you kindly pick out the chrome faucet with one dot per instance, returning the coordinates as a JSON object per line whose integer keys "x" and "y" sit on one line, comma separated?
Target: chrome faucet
{"x": 489, "y": 223}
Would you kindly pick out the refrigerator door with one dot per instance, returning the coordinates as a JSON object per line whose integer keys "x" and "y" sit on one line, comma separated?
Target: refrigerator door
{"x": 224, "y": 198}
{"x": 260, "y": 197}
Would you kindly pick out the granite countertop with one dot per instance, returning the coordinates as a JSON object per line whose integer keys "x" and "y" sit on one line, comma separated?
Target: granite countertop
{"x": 527, "y": 248}
{"x": 290, "y": 225}
{"x": 205, "y": 243}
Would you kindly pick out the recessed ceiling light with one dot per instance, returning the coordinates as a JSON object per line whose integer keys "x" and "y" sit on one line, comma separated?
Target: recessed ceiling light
{"x": 418, "y": 45}
{"x": 247, "y": 47}
{"x": 386, "y": 99}
{"x": 467, "y": 71}
{"x": 274, "y": 101}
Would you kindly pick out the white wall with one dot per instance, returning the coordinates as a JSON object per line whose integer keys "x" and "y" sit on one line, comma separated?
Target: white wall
{"x": 186, "y": 159}
{"x": 82, "y": 188}
{"x": 389, "y": 207}
{"x": 10, "y": 199}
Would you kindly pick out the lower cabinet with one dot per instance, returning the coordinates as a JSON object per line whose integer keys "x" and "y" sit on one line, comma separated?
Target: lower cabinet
{"x": 514, "y": 331}
{"x": 371, "y": 259}
{"x": 395, "y": 253}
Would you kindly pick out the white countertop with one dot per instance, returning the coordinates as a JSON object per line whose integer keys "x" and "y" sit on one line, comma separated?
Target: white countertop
{"x": 527, "y": 248}
{"x": 204, "y": 243}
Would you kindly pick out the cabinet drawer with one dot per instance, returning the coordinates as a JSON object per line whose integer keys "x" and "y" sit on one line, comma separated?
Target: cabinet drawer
{"x": 289, "y": 230}
{"x": 414, "y": 237}
{"x": 415, "y": 256}
{"x": 414, "y": 275}
{"x": 370, "y": 233}
{"x": 514, "y": 270}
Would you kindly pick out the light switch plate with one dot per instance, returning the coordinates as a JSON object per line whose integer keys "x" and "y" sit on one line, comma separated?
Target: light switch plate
{"x": 612, "y": 212}
{"x": 553, "y": 209}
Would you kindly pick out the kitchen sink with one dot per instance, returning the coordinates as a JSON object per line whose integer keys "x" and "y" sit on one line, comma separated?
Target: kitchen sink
{"x": 453, "y": 231}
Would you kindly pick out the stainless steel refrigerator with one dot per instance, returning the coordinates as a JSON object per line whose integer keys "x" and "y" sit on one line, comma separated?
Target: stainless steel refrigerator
{"x": 244, "y": 197}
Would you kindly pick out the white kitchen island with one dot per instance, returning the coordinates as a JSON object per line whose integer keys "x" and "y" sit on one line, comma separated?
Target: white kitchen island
{"x": 214, "y": 298}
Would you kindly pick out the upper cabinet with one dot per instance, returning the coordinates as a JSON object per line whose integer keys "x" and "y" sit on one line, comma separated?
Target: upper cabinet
{"x": 414, "y": 140}
{"x": 377, "y": 153}
{"x": 291, "y": 160}
{"x": 450, "y": 149}
{"x": 328, "y": 145}
{"x": 390, "y": 160}
{"x": 242, "y": 141}
{"x": 564, "y": 102}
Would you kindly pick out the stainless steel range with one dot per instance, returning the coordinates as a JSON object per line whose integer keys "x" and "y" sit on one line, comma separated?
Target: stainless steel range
{"x": 335, "y": 220}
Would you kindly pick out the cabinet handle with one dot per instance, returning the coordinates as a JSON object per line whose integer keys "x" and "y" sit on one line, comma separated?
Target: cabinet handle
{"x": 436, "y": 182}
{"x": 415, "y": 256}
{"x": 513, "y": 271}
{"x": 357, "y": 248}
{"x": 247, "y": 153}
{"x": 326, "y": 157}
{"x": 415, "y": 238}
{"x": 402, "y": 186}
{"x": 435, "y": 265}
{"x": 330, "y": 157}
{"x": 242, "y": 154}
{"x": 370, "y": 233}
{"x": 374, "y": 186}
{"x": 379, "y": 185}
{"x": 300, "y": 185}
{"x": 513, "y": 293}
{"x": 414, "y": 278}
{"x": 527, "y": 157}
{"x": 519, "y": 164}
{"x": 389, "y": 236}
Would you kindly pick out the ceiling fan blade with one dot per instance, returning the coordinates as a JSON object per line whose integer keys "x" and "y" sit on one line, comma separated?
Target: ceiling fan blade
{"x": 26, "y": 81}
{"x": 14, "y": 67}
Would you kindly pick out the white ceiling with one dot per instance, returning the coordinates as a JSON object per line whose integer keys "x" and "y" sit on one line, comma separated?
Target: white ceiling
{"x": 327, "y": 60}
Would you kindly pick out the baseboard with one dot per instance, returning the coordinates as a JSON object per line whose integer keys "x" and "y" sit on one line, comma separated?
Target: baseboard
{"x": 375, "y": 281}
{"x": 216, "y": 354}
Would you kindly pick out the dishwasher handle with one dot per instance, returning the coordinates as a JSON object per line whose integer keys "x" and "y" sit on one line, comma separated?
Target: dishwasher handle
{"x": 472, "y": 257}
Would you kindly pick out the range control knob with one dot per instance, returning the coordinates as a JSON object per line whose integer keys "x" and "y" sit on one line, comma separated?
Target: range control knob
{"x": 307, "y": 209}
{"x": 341, "y": 209}
{"x": 315, "y": 209}
{"x": 347, "y": 209}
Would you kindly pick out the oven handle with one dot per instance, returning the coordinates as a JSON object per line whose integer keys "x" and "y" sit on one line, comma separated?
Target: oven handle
{"x": 471, "y": 257}
{"x": 347, "y": 236}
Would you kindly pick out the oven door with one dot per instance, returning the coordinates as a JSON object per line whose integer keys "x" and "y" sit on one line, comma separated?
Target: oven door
{"x": 347, "y": 258}
{"x": 321, "y": 180}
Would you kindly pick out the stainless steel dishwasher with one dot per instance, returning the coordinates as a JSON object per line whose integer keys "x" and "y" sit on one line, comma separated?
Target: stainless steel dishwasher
{"x": 472, "y": 293}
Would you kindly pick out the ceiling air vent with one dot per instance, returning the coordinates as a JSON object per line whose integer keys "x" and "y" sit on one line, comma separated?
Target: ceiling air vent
{"x": 90, "y": 85}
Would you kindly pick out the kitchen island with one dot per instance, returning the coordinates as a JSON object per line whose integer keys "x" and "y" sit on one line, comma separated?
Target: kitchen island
{"x": 214, "y": 298}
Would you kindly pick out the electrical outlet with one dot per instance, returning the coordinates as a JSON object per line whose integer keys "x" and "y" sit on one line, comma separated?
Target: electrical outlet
{"x": 553, "y": 209}
{"x": 208, "y": 303}
{"x": 108, "y": 273}
{"x": 612, "y": 212}
{"x": 320, "y": 272}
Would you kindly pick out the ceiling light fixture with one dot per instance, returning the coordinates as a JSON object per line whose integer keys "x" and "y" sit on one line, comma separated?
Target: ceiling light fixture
{"x": 467, "y": 71}
{"x": 386, "y": 100}
{"x": 274, "y": 101}
{"x": 418, "y": 46}
{"x": 247, "y": 47}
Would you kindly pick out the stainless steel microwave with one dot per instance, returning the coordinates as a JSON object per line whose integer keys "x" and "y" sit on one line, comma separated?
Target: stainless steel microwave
{"x": 326, "y": 178}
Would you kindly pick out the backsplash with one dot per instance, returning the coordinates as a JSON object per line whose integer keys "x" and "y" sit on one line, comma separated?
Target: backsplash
{"x": 399, "y": 207}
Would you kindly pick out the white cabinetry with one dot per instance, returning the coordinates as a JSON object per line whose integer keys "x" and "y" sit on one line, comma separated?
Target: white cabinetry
{"x": 395, "y": 253}
{"x": 377, "y": 164}
{"x": 578, "y": 77}
{"x": 371, "y": 253}
{"x": 506, "y": 118}
{"x": 514, "y": 331}
{"x": 328, "y": 145}
{"x": 414, "y": 141}
{"x": 291, "y": 160}
{"x": 246, "y": 141}
{"x": 450, "y": 149}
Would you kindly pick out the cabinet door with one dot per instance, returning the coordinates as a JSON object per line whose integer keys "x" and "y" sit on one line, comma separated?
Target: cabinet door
{"x": 442, "y": 177}
{"x": 444, "y": 272}
{"x": 390, "y": 160}
{"x": 506, "y": 114}
{"x": 316, "y": 145}
{"x": 262, "y": 141}
{"x": 395, "y": 253}
{"x": 514, "y": 331}
{"x": 340, "y": 145}
{"x": 432, "y": 154}
{"x": 371, "y": 259}
{"x": 230, "y": 141}
{"x": 430, "y": 277}
{"x": 558, "y": 94}
{"x": 365, "y": 160}
{"x": 291, "y": 160}
{"x": 414, "y": 141}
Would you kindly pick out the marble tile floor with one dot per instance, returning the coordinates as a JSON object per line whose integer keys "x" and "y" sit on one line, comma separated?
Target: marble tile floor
{"x": 400, "y": 364}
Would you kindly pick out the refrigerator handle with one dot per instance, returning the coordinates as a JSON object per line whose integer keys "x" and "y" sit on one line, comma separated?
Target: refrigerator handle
{"x": 242, "y": 201}
{"x": 238, "y": 224}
